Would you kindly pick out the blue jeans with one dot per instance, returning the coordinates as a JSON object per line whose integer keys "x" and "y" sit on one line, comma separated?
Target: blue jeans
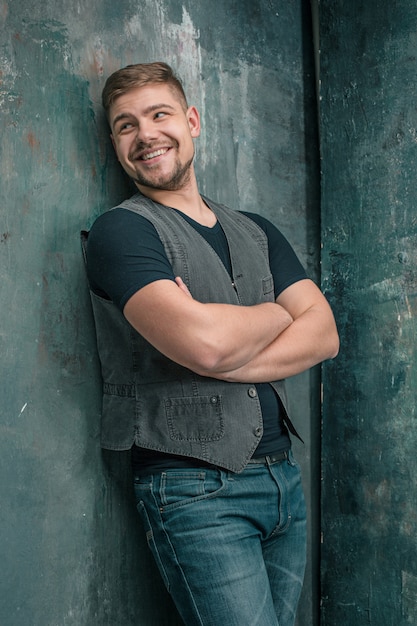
{"x": 231, "y": 548}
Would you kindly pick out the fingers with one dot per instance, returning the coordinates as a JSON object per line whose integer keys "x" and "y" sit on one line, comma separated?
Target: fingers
{"x": 182, "y": 286}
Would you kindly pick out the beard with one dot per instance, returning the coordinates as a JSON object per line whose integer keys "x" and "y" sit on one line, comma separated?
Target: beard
{"x": 177, "y": 179}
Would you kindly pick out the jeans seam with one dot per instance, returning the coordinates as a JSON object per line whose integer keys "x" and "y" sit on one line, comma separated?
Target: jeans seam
{"x": 281, "y": 530}
{"x": 152, "y": 544}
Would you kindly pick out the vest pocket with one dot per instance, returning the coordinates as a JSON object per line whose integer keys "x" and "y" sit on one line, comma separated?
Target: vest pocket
{"x": 268, "y": 285}
{"x": 195, "y": 418}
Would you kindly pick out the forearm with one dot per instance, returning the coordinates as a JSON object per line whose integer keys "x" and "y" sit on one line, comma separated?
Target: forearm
{"x": 203, "y": 337}
{"x": 235, "y": 335}
{"x": 309, "y": 340}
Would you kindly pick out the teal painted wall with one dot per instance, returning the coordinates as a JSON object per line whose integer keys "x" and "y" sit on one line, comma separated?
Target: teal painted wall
{"x": 72, "y": 552}
{"x": 369, "y": 163}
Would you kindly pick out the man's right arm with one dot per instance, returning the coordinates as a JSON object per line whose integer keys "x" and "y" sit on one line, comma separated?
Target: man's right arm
{"x": 127, "y": 263}
{"x": 203, "y": 337}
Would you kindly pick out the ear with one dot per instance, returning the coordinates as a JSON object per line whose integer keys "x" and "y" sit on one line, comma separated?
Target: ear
{"x": 193, "y": 118}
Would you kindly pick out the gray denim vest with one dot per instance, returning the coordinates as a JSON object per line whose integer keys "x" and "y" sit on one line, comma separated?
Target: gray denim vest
{"x": 152, "y": 401}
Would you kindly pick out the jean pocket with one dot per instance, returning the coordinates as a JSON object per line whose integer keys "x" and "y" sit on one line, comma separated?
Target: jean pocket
{"x": 142, "y": 486}
{"x": 181, "y": 487}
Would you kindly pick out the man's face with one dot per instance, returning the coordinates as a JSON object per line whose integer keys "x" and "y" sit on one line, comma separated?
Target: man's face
{"x": 153, "y": 137}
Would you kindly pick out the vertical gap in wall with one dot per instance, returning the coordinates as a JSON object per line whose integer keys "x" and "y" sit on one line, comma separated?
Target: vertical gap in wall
{"x": 316, "y": 45}
{"x": 313, "y": 222}
{"x": 315, "y": 22}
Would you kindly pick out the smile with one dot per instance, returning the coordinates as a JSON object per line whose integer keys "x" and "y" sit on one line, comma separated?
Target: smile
{"x": 152, "y": 155}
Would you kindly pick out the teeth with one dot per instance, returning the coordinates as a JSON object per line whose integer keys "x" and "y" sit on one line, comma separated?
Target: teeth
{"x": 152, "y": 155}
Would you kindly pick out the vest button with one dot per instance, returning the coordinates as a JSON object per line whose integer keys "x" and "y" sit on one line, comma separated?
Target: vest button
{"x": 213, "y": 399}
{"x": 252, "y": 393}
{"x": 258, "y": 431}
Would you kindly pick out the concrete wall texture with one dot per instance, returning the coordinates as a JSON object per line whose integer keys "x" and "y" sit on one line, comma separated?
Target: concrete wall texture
{"x": 368, "y": 134}
{"x": 72, "y": 552}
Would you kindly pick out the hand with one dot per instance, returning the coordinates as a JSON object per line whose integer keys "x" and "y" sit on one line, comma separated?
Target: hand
{"x": 181, "y": 284}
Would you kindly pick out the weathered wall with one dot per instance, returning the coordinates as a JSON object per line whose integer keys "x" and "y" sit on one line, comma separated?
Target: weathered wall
{"x": 369, "y": 161}
{"x": 71, "y": 548}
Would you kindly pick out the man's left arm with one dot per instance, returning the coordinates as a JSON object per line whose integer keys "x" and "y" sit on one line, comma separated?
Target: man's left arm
{"x": 310, "y": 339}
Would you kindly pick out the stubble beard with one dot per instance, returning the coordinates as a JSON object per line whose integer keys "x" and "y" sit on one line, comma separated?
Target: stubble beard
{"x": 175, "y": 181}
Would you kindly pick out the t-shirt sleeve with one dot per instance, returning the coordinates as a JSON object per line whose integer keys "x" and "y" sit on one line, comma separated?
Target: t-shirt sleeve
{"x": 124, "y": 253}
{"x": 285, "y": 266}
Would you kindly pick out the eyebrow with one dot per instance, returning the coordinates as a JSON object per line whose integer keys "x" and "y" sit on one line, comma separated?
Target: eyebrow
{"x": 150, "y": 109}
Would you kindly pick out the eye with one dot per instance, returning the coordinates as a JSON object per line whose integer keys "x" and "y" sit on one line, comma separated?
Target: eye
{"x": 159, "y": 115}
{"x": 123, "y": 126}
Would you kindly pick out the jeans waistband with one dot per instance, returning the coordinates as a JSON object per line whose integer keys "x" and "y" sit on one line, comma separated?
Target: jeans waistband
{"x": 270, "y": 458}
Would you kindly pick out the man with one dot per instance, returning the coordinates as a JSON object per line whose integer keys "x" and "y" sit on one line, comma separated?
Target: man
{"x": 201, "y": 313}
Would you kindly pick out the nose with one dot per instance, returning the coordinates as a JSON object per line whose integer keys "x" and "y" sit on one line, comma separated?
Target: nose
{"x": 146, "y": 132}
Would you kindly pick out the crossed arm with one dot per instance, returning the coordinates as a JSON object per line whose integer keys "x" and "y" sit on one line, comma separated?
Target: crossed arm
{"x": 310, "y": 339}
{"x": 257, "y": 343}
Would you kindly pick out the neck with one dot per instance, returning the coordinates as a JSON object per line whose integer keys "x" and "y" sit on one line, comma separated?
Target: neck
{"x": 187, "y": 200}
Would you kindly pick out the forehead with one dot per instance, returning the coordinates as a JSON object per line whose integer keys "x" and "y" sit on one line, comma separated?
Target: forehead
{"x": 140, "y": 100}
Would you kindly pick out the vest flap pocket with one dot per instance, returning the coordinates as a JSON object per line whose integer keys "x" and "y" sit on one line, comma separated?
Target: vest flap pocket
{"x": 195, "y": 418}
{"x": 268, "y": 285}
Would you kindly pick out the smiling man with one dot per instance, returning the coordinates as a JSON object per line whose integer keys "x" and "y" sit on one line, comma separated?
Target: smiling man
{"x": 162, "y": 157}
{"x": 201, "y": 313}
